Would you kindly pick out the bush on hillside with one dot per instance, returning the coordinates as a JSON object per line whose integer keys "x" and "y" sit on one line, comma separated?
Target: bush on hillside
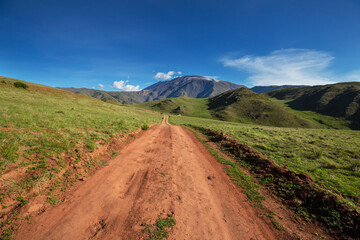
{"x": 20, "y": 85}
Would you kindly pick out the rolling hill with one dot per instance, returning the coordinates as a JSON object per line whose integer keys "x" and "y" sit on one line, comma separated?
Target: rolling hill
{"x": 341, "y": 100}
{"x": 239, "y": 105}
{"x": 121, "y": 97}
{"x": 186, "y": 86}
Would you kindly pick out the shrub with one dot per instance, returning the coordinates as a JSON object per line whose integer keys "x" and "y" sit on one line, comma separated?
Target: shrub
{"x": 20, "y": 85}
{"x": 144, "y": 127}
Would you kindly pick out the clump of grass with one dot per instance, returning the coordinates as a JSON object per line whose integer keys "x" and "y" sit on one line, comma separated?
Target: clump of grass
{"x": 277, "y": 225}
{"x": 22, "y": 200}
{"x": 52, "y": 200}
{"x": 105, "y": 163}
{"x": 159, "y": 230}
{"x": 144, "y": 127}
{"x": 21, "y": 85}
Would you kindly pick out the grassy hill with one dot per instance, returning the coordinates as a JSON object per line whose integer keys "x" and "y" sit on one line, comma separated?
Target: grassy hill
{"x": 341, "y": 100}
{"x": 120, "y": 97}
{"x": 50, "y": 137}
{"x": 181, "y": 105}
{"x": 239, "y": 105}
{"x": 245, "y": 106}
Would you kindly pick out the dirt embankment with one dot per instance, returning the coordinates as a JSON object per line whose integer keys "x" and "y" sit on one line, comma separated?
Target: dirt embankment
{"x": 164, "y": 171}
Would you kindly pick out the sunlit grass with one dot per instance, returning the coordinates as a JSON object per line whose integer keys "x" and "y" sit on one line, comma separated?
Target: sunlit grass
{"x": 38, "y": 125}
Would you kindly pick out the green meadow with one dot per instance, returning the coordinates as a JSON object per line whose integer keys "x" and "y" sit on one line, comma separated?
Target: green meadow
{"x": 39, "y": 125}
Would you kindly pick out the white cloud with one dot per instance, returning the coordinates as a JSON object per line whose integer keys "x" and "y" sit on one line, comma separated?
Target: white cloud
{"x": 215, "y": 78}
{"x": 286, "y": 66}
{"x": 101, "y": 86}
{"x": 93, "y": 87}
{"x": 166, "y": 76}
{"x": 121, "y": 85}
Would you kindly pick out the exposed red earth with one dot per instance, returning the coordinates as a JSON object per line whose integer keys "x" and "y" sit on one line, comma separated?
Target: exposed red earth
{"x": 166, "y": 170}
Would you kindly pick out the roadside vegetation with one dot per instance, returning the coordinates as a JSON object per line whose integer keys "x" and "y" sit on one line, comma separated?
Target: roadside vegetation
{"x": 331, "y": 157}
{"x": 49, "y": 138}
{"x": 286, "y": 160}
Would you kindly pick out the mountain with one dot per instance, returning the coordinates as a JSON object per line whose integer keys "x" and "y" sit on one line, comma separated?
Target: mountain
{"x": 238, "y": 105}
{"x": 263, "y": 89}
{"x": 341, "y": 100}
{"x": 188, "y": 86}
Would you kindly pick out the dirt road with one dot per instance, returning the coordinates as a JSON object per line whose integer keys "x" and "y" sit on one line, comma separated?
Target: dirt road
{"x": 165, "y": 170}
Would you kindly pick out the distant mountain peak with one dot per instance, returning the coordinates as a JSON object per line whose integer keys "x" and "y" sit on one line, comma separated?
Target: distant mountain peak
{"x": 193, "y": 86}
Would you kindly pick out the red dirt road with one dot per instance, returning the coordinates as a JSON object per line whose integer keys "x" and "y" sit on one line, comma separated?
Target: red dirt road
{"x": 165, "y": 170}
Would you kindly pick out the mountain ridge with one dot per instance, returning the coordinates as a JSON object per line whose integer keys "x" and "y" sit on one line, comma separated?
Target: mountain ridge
{"x": 193, "y": 86}
{"x": 264, "y": 89}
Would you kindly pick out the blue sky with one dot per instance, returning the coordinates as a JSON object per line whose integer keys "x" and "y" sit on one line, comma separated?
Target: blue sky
{"x": 129, "y": 44}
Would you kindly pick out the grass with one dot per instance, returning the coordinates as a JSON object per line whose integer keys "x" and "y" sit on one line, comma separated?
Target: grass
{"x": 144, "y": 127}
{"x": 331, "y": 157}
{"x": 159, "y": 230}
{"x": 277, "y": 225}
{"x": 196, "y": 107}
{"x": 52, "y": 200}
{"x": 245, "y": 106}
{"x": 43, "y": 130}
{"x": 318, "y": 120}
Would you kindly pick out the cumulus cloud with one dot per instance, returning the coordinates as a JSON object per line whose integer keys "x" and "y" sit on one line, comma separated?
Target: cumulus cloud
{"x": 121, "y": 85}
{"x": 101, "y": 86}
{"x": 286, "y": 66}
{"x": 166, "y": 76}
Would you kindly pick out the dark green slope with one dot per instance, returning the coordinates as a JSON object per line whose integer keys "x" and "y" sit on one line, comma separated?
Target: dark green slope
{"x": 263, "y": 89}
{"x": 341, "y": 100}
